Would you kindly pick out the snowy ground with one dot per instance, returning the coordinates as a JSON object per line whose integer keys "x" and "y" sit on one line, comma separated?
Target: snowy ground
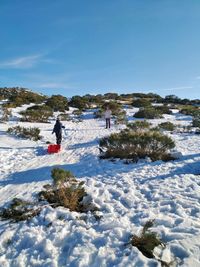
{"x": 127, "y": 195}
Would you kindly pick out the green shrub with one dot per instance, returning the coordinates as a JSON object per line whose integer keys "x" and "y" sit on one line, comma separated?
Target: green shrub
{"x": 30, "y": 133}
{"x": 147, "y": 241}
{"x": 139, "y": 125}
{"x": 37, "y": 114}
{"x": 196, "y": 122}
{"x": 190, "y": 110}
{"x": 57, "y": 103}
{"x": 141, "y": 102}
{"x": 79, "y": 102}
{"x": 148, "y": 113}
{"x": 135, "y": 145}
{"x": 19, "y": 96}
{"x": 6, "y": 113}
{"x": 64, "y": 117}
{"x": 163, "y": 109}
{"x": 66, "y": 191}
{"x": 121, "y": 118}
{"x": 19, "y": 210}
{"x": 168, "y": 126}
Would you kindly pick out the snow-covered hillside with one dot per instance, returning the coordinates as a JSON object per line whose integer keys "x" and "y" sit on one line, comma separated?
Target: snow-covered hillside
{"x": 127, "y": 196}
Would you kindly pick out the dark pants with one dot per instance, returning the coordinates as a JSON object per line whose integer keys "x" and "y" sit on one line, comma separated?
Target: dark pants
{"x": 108, "y": 123}
{"x": 58, "y": 138}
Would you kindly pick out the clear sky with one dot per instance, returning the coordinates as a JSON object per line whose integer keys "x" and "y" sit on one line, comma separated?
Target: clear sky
{"x": 74, "y": 47}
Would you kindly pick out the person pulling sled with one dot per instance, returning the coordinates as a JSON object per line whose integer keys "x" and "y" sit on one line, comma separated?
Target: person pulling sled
{"x": 58, "y": 131}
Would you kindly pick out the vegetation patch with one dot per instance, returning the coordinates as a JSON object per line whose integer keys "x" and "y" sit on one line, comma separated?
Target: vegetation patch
{"x": 135, "y": 145}
{"x": 37, "y": 113}
{"x": 147, "y": 241}
{"x": 57, "y": 103}
{"x": 29, "y": 133}
{"x": 66, "y": 191}
{"x": 148, "y": 113}
{"x": 167, "y": 126}
{"x": 19, "y": 210}
{"x": 139, "y": 125}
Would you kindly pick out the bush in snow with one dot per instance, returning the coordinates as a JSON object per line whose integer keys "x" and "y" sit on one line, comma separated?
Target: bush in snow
{"x": 79, "y": 102}
{"x": 163, "y": 109}
{"x": 141, "y": 102}
{"x": 147, "y": 242}
{"x": 37, "y": 113}
{"x": 168, "y": 126}
{"x": 66, "y": 191}
{"x": 135, "y": 145}
{"x": 139, "y": 125}
{"x": 5, "y": 114}
{"x": 19, "y": 210}
{"x": 64, "y": 117}
{"x": 30, "y": 133}
{"x": 196, "y": 122}
{"x": 148, "y": 113}
{"x": 57, "y": 103}
{"x": 121, "y": 118}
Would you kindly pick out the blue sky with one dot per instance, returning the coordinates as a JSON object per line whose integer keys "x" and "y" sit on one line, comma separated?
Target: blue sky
{"x": 97, "y": 46}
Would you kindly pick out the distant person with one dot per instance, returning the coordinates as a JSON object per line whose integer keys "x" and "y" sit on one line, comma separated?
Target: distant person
{"x": 58, "y": 131}
{"x": 107, "y": 115}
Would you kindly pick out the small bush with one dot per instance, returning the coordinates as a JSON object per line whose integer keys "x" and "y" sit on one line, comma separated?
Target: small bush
{"x": 196, "y": 122}
{"x": 79, "y": 102}
{"x": 148, "y": 113}
{"x": 6, "y": 113}
{"x": 66, "y": 191}
{"x": 121, "y": 118}
{"x": 37, "y": 114}
{"x": 19, "y": 210}
{"x": 168, "y": 126}
{"x": 57, "y": 103}
{"x": 29, "y": 133}
{"x": 64, "y": 117}
{"x": 139, "y": 125}
{"x": 163, "y": 109}
{"x": 190, "y": 110}
{"x": 141, "y": 102}
{"x": 135, "y": 145}
{"x": 147, "y": 241}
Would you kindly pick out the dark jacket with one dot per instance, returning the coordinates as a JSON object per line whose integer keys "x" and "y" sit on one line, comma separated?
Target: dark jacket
{"x": 58, "y": 127}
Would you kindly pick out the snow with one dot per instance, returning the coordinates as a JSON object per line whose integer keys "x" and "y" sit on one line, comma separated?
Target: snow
{"x": 127, "y": 196}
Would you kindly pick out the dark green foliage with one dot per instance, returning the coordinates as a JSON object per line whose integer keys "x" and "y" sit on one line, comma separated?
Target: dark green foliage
{"x": 18, "y": 96}
{"x": 148, "y": 113}
{"x": 66, "y": 191}
{"x": 139, "y": 125}
{"x": 64, "y": 117}
{"x": 121, "y": 118}
{"x": 61, "y": 176}
{"x": 190, "y": 110}
{"x": 136, "y": 144}
{"x": 141, "y": 102}
{"x": 30, "y": 133}
{"x": 168, "y": 126}
{"x": 57, "y": 103}
{"x": 6, "y": 113}
{"x": 79, "y": 102}
{"x": 147, "y": 241}
{"x": 163, "y": 109}
{"x": 37, "y": 113}
{"x": 196, "y": 122}
{"x": 19, "y": 210}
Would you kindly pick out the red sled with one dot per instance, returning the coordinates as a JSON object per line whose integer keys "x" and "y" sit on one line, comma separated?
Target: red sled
{"x": 53, "y": 149}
